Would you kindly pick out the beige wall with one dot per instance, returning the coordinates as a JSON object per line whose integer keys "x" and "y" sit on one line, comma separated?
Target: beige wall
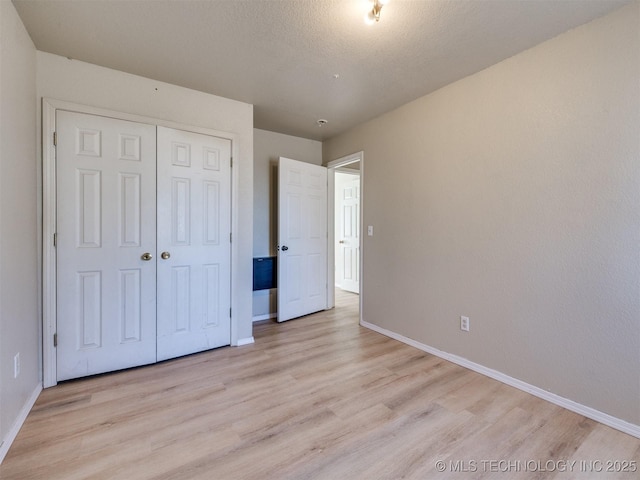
{"x": 268, "y": 147}
{"x": 19, "y": 321}
{"x": 83, "y": 83}
{"x": 512, "y": 197}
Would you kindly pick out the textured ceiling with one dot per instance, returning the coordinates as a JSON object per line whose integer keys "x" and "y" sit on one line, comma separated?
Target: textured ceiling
{"x": 282, "y": 55}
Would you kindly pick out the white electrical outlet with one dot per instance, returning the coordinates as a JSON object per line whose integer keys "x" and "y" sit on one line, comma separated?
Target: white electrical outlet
{"x": 16, "y": 365}
{"x": 464, "y": 324}
{"x": 370, "y": 230}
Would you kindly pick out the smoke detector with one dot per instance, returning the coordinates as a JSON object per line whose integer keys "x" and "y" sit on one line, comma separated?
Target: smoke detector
{"x": 322, "y": 122}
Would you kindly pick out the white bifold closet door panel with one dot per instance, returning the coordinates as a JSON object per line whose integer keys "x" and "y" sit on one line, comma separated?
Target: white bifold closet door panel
{"x": 106, "y": 223}
{"x": 194, "y": 244}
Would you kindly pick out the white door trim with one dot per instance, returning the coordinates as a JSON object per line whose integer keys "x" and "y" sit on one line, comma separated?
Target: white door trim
{"x": 49, "y": 107}
{"x": 331, "y": 169}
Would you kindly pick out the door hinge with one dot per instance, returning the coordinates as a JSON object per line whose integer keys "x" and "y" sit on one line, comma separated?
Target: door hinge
{"x": 230, "y": 237}
{"x": 55, "y": 339}
{"x": 229, "y": 313}
{"x": 55, "y": 139}
{"x": 231, "y": 162}
{"x": 55, "y": 240}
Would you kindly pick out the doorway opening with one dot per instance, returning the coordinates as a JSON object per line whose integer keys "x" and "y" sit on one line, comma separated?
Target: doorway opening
{"x": 345, "y": 179}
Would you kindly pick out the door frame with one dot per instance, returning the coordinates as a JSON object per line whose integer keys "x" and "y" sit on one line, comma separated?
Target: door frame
{"x": 49, "y": 208}
{"x": 331, "y": 253}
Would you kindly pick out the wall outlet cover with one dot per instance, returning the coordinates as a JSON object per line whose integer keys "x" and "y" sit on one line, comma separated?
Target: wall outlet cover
{"x": 464, "y": 324}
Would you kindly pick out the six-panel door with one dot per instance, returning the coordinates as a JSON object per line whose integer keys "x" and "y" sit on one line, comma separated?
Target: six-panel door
{"x": 350, "y": 235}
{"x": 194, "y": 227}
{"x": 302, "y": 238}
{"x": 106, "y": 222}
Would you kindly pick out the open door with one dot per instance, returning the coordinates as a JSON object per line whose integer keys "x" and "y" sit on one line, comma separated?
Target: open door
{"x": 302, "y": 238}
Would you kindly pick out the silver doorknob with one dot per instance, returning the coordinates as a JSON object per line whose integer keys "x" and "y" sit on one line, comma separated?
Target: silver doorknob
{"x": 165, "y": 255}
{"x": 341, "y": 241}
{"x": 285, "y": 248}
{"x": 146, "y": 256}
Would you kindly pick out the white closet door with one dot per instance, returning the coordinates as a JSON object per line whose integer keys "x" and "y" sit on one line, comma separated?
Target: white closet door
{"x": 194, "y": 249}
{"x": 106, "y": 223}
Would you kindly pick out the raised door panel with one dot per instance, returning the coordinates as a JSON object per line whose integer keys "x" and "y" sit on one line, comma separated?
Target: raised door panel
{"x": 105, "y": 222}
{"x": 129, "y": 208}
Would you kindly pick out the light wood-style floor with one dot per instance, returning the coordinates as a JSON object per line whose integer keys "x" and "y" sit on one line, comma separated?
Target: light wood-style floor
{"x": 315, "y": 398}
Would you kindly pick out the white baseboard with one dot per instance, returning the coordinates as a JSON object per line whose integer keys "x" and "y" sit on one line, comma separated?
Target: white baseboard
{"x": 17, "y": 425}
{"x": 267, "y": 316}
{"x": 245, "y": 341}
{"x": 592, "y": 413}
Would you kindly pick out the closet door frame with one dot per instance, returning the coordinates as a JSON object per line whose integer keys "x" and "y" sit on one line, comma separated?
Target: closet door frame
{"x": 49, "y": 320}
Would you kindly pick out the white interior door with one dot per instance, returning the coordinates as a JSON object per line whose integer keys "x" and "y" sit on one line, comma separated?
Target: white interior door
{"x": 349, "y": 234}
{"x": 194, "y": 249}
{"x": 106, "y": 223}
{"x": 302, "y": 238}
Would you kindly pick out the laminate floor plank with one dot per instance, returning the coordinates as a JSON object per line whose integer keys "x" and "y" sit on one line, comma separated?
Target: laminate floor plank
{"x": 318, "y": 397}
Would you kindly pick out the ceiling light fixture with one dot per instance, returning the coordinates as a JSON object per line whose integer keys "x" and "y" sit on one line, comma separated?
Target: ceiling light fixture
{"x": 373, "y": 15}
